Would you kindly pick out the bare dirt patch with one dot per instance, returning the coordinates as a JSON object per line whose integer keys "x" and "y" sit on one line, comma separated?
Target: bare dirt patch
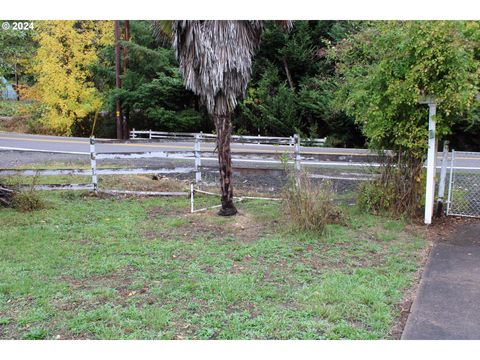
{"x": 119, "y": 280}
{"x": 144, "y": 183}
{"x": 243, "y": 227}
{"x": 160, "y": 211}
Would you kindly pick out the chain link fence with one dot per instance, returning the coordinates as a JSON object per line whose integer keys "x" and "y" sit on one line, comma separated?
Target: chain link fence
{"x": 464, "y": 186}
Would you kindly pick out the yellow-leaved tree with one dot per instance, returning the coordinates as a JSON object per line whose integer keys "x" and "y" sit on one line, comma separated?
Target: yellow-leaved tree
{"x": 67, "y": 49}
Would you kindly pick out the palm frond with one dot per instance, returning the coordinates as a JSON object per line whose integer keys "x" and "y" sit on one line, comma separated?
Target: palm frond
{"x": 162, "y": 30}
{"x": 215, "y": 59}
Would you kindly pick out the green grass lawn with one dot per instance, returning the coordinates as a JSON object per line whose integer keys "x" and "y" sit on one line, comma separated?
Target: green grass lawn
{"x": 147, "y": 269}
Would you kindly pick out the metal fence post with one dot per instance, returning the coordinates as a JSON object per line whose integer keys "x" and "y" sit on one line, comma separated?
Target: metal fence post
{"x": 198, "y": 159}
{"x": 443, "y": 175}
{"x": 296, "y": 138}
{"x": 449, "y": 201}
{"x": 93, "y": 163}
{"x": 297, "y": 152}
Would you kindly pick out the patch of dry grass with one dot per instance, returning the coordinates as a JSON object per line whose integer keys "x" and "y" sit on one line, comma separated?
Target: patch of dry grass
{"x": 309, "y": 206}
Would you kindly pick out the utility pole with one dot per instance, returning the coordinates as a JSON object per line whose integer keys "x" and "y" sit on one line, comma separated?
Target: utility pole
{"x": 125, "y": 48}
{"x": 125, "y": 68}
{"x": 118, "y": 85}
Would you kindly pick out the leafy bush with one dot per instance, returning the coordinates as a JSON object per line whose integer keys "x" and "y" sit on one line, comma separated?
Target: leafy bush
{"x": 386, "y": 67}
{"x": 376, "y": 197}
{"x": 309, "y": 206}
{"x": 8, "y": 108}
{"x": 399, "y": 190}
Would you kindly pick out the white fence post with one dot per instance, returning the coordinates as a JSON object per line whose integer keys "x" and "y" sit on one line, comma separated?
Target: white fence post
{"x": 297, "y": 152}
{"x": 443, "y": 175}
{"x": 432, "y": 154}
{"x": 198, "y": 158}
{"x": 93, "y": 163}
{"x": 296, "y": 138}
{"x": 150, "y": 134}
{"x": 192, "y": 207}
{"x": 132, "y": 134}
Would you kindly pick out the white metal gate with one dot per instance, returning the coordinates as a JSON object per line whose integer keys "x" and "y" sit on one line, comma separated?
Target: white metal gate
{"x": 464, "y": 185}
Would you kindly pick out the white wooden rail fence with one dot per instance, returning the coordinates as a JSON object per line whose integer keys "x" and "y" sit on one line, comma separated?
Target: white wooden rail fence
{"x": 278, "y": 140}
{"x": 197, "y": 155}
{"x": 94, "y": 172}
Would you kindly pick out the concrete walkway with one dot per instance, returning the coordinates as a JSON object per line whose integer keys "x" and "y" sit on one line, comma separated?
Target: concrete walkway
{"x": 447, "y": 305}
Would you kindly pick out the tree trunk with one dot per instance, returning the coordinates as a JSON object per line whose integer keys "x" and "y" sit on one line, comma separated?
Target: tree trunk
{"x": 125, "y": 116}
{"x": 118, "y": 84}
{"x": 223, "y": 125}
{"x": 287, "y": 72}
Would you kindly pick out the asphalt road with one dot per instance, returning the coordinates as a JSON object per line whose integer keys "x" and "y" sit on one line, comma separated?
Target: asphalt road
{"x": 447, "y": 306}
{"x": 13, "y": 141}
{"x": 75, "y": 144}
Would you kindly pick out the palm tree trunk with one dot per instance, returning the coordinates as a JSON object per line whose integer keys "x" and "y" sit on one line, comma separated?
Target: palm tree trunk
{"x": 223, "y": 125}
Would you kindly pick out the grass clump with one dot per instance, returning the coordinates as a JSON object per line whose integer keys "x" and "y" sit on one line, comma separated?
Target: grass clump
{"x": 35, "y": 334}
{"x": 29, "y": 200}
{"x": 310, "y": 206}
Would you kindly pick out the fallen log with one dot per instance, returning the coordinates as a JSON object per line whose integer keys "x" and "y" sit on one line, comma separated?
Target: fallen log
{"x": 6, "y": 196}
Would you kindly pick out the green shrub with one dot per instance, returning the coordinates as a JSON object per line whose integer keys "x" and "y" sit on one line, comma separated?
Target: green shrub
{"x": 399, "y": 190}
{"x": 8, "y": 108}
{"x": 309, "y": 206}
{"x": 29, "y": 200}
{"x": 375, "y": 197}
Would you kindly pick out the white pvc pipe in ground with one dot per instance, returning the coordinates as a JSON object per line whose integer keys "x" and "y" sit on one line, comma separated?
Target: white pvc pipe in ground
{"x": 432, "y": 151}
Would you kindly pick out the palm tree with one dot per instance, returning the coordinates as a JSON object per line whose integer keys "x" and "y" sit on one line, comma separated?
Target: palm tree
{"x": 215, "y": 60}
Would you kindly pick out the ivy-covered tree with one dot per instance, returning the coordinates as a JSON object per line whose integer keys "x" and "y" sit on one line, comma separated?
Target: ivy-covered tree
{"x": 386, "y": 67}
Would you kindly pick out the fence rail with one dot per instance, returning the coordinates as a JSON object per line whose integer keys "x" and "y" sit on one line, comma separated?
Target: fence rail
{"x": 196, "y": 155}
{"x": 87, "y": 172}
{"x": 202, "y": 160}
{"x": 279, "y": 140}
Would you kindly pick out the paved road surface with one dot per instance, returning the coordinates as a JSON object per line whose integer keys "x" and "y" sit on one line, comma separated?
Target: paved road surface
{"x": 81, "y": 145}
{"x": 58, "y": 143}
{"x": 447, "y": 305}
